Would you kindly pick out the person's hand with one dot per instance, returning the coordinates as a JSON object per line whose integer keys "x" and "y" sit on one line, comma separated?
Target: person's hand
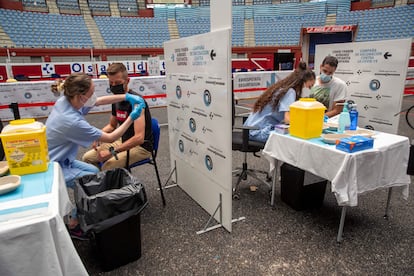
{"x": 136, "y": 112}
{"x": 103, "y": 155}
{"x": 95, "y": 145}
{"x": 135, "y": 100}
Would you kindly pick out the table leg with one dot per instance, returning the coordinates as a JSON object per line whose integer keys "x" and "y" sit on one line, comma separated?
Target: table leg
{"x": 388, "y": 203}
{"x": 274, "y": 179}
{"x": 341, "y": 224}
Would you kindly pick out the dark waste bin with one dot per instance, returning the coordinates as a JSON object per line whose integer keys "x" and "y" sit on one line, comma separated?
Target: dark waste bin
{"x": 109, "y": 204}
{"x": 297, "y": 195}
{"x": 410, "y": 166}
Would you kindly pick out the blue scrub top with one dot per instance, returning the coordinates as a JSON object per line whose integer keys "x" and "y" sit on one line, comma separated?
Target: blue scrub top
{"x": 66, "y": 130}
{"x": 267, "y": 118}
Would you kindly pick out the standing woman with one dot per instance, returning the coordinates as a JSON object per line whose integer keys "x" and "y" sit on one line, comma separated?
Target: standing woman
{"x": 272, "y": 107}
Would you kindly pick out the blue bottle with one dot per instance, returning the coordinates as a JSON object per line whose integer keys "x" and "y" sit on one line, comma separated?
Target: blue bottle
{"x": 353, "y": 115}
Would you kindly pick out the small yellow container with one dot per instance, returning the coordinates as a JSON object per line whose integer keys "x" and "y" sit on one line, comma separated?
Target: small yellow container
{"x": 306, "y": 118}
{"x": 25, "y": 146}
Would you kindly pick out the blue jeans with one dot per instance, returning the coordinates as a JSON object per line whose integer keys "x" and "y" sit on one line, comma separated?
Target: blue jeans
{"x": 77, "y": 169}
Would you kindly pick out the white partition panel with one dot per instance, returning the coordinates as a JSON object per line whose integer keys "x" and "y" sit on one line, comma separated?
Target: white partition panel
{"x": 375, "y": 72}
{"x": 199, "y": 117}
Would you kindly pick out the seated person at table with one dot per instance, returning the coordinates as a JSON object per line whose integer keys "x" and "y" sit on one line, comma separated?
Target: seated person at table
{"x": 272, "y": 107}
{"x": 67, "y": 128}
{"x": 328, "y": 89}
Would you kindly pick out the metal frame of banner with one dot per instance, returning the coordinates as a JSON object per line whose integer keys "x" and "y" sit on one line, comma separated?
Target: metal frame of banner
{"x": 218, "y": 208}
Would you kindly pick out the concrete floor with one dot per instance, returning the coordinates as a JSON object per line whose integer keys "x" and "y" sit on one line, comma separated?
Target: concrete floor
{"x": 271, "y": 241}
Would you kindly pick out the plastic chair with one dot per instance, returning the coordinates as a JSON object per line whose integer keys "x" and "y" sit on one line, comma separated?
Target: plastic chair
{"x": 151, "y": 160}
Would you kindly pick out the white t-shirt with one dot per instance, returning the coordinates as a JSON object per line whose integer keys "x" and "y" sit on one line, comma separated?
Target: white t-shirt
{"x": 328, "y": 93}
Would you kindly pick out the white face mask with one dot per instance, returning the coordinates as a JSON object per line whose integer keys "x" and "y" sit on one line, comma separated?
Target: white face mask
{"x": 91, "y": 101}
{"x": 305, "y": 92}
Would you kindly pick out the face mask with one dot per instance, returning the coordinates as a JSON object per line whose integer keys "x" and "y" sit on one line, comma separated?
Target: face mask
{"x": 117, "y": 89}
{"x": 325, "y": 78}
{"x": 305, "y": 92}
{"x": 91, "y": 101}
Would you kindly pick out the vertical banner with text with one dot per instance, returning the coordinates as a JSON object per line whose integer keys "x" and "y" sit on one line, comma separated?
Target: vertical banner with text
{"x": 375, "y": 74}
{"x": 198, "y": 83}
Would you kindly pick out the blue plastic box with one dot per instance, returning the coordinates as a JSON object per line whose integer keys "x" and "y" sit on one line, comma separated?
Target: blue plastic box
{"x": 355, "y": 143}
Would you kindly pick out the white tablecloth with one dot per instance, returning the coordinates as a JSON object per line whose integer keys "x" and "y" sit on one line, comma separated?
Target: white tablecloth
{"x": 33, "y": 237}
{"x": 350, "y": 173}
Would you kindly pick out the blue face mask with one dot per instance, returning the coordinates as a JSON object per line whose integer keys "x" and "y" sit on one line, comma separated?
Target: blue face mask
{"x": 325, "y": 77}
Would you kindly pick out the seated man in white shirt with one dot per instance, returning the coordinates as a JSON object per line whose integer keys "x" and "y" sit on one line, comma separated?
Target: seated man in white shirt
{"x": 328, "y": 89}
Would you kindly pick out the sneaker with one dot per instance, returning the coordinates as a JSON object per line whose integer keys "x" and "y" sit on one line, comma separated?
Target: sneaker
{"x": 77, "y": 233}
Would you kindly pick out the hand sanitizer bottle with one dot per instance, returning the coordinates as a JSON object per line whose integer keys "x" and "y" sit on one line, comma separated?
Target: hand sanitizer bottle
{"x": 353, "y": 114}
{"x": 344, "y": 120}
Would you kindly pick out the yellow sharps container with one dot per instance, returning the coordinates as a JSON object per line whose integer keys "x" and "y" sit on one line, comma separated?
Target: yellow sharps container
{"x": 306, "y": 118}
{"x": 25, "y": 146}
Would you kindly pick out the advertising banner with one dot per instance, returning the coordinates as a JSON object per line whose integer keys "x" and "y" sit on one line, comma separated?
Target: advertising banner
{"x": 41, "y": 99}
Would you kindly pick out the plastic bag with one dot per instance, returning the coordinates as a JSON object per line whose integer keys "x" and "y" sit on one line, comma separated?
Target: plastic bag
{"x": 108, "y": 198}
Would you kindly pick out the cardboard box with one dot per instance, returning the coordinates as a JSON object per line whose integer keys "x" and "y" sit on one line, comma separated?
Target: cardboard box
{"x": 355, "y": 143}
{"x": 282, "y": 128}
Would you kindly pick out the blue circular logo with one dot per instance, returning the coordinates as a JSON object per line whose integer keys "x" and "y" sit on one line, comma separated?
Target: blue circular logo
{"x": 207, "y": 97}
{"x": 164, "y": 87}
{"x": 209, "y": 162}
{"x": 28, "y": 95}
{"x": 181, "y": 145}
{"x": 374, "y": 85}
{"x": 44, "y": 108}
{"x": 178, "y": 92}
{"x": 192, "y": 125}
{"x": 141, "y": 88}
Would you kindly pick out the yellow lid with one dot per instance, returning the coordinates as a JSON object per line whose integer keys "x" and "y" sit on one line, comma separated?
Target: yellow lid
{"x": 308, "y": 103}
{"x": 22, "y": 121}
{"x": 22, "y": 125}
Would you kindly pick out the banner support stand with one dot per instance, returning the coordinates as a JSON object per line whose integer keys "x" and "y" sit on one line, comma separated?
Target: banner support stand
{"x": 207, "y": 229}
{"x": 174, "y": 170}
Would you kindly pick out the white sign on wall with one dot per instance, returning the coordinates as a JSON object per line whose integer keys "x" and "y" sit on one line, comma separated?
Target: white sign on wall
{"x": 154, "y": 66}
{"x": 48, "y": 69}
{"x": 252, "y": 84}
{"x": 199, "y": 117}
{"x": 35, "y": 93}
{"x": 152, "y": 88}
{"x": 375, "y": 73}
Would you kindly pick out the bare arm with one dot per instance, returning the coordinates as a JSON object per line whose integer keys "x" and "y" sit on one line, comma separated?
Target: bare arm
{"x": 287, "y": 117}
{"x": 117, "y": 133}
{"x": 139, "y": 136}
{"x": 110, "y": 99}
{"x": 137, "y": 139}
{"x": 336, "y": 109}
{"x": 111, "y": 126}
